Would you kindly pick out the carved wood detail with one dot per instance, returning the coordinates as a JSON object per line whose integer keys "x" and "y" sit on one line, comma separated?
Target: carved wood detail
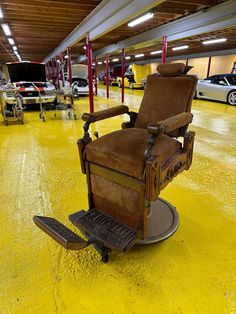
{"x": 81, "y": 149}
{"x": 152, "y": 178}
{"x": 188, "y": 147}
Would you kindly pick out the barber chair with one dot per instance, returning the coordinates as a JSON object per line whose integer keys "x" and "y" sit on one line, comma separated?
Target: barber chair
{"x": 127, "y": 169}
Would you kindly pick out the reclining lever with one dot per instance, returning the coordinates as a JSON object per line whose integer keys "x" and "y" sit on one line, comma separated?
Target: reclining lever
{"x": 60, "y": 233}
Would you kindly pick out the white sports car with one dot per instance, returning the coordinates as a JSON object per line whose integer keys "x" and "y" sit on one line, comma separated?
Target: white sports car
{"x": 220, "y": 87}
{"x": 30, "y": 79}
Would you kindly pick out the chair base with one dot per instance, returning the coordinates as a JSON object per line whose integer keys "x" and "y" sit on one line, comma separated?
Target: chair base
{"x": 163, "y": 221}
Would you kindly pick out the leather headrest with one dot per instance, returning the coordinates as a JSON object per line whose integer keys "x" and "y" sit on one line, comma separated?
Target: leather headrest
{"x": 174, "y": 69}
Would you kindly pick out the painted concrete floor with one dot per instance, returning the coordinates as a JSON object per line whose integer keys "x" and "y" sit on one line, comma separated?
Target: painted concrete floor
{"x": 192, "y": 272}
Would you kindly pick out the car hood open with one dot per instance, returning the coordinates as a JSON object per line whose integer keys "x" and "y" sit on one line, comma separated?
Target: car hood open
{"x": 80, "y": 71}
{"x": 26, "y": 72}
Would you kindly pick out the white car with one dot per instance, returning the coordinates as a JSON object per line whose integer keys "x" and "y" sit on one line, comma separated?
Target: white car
{"x": 80, "y": 84}
{"x": 220, "y": 87}
{"x": 30, "y": 79}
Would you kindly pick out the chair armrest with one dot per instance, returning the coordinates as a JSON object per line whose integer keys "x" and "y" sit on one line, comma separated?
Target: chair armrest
{"x": 170, "y": 124}
{"x": 104, "y": 114}
{"x": 130, "y": 124}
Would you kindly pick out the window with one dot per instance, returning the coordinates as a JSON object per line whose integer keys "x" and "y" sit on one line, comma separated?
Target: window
{"x": 231, "y": 80}
{"x": 219, "y": 80}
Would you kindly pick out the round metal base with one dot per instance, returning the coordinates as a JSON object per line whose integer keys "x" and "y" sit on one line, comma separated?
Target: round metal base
{"x": 163, "y": 221}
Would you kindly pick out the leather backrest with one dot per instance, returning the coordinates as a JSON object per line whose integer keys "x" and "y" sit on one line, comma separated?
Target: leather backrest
{"x": 167, "y": 94}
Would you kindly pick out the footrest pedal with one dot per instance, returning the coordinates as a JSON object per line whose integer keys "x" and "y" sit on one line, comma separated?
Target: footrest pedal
{"x": 60, "y": 233}
{"x": 99, "y": 226}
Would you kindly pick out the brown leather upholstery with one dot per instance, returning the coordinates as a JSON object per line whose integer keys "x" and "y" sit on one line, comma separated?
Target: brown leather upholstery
{"x": 165, "y": 97}
{"x": 124, "y": 150}
{"x": 171, "y": 124}
{"x": 104, "y": 114}
{"x": 114, "y": 198}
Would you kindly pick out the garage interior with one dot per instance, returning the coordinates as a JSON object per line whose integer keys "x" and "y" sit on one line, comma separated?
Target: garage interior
{"x": 194, "y": 271}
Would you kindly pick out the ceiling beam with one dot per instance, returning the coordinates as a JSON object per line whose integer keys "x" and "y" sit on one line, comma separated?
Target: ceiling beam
{"x": 212, "y": 19}
{"x": 190, "y": 56}
{"x": 105, "y": 17}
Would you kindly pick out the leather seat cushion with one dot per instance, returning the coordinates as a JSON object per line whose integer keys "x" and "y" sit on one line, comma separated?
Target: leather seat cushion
{"x": 124, "y": 150}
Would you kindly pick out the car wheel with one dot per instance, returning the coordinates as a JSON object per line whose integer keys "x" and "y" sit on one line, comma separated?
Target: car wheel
{"x": 119, "y": 84}
{"x": 231, "y": 98}
{"x": 131, "y": 85}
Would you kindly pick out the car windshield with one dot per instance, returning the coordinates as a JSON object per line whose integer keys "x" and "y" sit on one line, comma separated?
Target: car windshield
{"x": 231, "y": 80}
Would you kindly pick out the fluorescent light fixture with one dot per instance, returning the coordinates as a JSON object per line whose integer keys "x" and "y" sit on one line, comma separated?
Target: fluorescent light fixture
{"x": 1, "y": 14}
{"x": 127, "y": 58}
{"x": 115, "y": 60}
{"x": 155, "y": 52}
{"x": 94, "y": 64}
{"x": 180, "y": 48}
{"x": 139, "y": 56}
{"x": 11, "y": 41}
{"x": 14, "y": 48}
{"x": 106, "y": 61}
{"x": 99, "y": 62}
{"x": 214, "y": 41}
{"x": 66, "y": 57}
{"x": 141, "y": 19}
{"x": 6, "y": 29}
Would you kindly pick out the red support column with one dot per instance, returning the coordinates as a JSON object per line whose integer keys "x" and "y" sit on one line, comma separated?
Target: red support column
{"x": 164, "y": 49}
{"x": 69, "y": 65}
{"x": 95, "y": 76}
{"x": 62, "y": 69}
{"x": 69, "y": 72}
{"x": 209, "y": 67}
{"x": 53, "y": 73}
{"x": 107, "y": 74}
{"x": 123, "y": 76}
{"x": 58, "y": 77}
{"x": 90, "y": 71}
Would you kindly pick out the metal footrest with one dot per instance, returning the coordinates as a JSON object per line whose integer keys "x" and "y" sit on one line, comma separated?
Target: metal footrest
{"x": 103, "y": 228}
{"x": 60, "y": 233}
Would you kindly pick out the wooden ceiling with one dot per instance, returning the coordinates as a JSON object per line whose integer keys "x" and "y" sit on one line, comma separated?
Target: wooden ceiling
{"x": 38, "y": 26}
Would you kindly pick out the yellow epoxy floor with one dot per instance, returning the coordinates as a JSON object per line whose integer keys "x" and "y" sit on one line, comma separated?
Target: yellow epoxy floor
{"x": 192, "y": 272}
